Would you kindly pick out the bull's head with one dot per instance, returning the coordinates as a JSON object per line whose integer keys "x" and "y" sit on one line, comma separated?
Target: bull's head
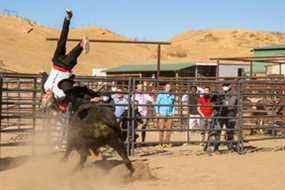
{"x": 76, "y": 96}
{"x": 66, "y": 84}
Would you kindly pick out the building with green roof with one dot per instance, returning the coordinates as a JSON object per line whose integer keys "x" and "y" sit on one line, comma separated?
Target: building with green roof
{"x": 186, "y": 69}
{"x": 269, "y": 68}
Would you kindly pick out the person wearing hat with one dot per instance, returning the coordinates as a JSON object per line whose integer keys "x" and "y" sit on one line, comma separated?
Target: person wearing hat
{"x": 229, "y": 111}
{"x": 82, "y": 93}
{"x": 63, "y": 63}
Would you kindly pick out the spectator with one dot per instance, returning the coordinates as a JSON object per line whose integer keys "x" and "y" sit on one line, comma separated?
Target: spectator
{"x": 192, "y": 102}
{"x": 143, "y": 99}
{"x": 205, "y": 109}
{"x": 165, "y": 109}
{"x": 105, "y": 99}
{"x": 200, "y": 91}
{"x": 125, "y": 120}
{"x": 229, "y": 111}
{"x": 120, "y": 98}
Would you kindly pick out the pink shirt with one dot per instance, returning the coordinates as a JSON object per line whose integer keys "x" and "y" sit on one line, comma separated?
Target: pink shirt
{"x": 143, "y": 99}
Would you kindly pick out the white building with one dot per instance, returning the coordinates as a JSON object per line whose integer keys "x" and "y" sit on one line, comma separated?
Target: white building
{"x": 99, "y": 72}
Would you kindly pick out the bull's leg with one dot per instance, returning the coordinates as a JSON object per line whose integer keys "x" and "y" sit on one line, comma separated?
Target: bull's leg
{"x": 95, "y": 150}
{"x": 118, "y": 146}
{"x": 67, "y": 152}
{"x": 83, "y": 152}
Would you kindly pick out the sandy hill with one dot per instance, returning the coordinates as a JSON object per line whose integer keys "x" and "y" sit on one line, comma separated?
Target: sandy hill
{"x": 204, "y": 44}
{"x": 24, "y": 48}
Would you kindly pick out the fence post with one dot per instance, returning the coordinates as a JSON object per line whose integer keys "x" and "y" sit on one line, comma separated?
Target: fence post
{"x": 7, "y": 100}
{"x": 188, "y": 114}
{"x": 18, "y": 106}
{"x": 133, "y": 116}
{"x": 34, "y": 111}
{"x": 129, "y": 116}
{"x": 240, "y": 111}
{"x": 1, "y": 89}
{"x": 272, "y": 92}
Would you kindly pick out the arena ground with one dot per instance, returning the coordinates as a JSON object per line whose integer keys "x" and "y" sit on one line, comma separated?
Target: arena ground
{"x": 183, "y": 167}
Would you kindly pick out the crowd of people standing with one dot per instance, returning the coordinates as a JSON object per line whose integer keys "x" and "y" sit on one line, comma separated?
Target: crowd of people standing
{"x": 160, "y": 107}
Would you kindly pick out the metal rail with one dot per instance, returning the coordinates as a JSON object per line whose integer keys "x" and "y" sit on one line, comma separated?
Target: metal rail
{"x": 20, "y": 97}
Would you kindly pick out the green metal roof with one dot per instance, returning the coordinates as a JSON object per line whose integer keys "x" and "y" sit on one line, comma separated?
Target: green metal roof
{"x": 149, "y": 67}
{"x": 271, "y": 47}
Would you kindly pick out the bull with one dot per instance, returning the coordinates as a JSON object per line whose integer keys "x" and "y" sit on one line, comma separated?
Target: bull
{"x": 91, "y": 126}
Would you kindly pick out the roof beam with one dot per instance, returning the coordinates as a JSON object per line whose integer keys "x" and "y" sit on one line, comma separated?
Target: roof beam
{"x": 248, "y": 59}
{"x": 115, "y": 41}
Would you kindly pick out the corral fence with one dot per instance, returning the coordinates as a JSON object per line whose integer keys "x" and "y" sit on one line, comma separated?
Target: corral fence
{"x": 259, "y": 116}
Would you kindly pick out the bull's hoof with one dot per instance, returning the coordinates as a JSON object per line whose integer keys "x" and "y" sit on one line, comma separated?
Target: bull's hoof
{"x": 77, "y": 169}
{"x": 131, "y": 169}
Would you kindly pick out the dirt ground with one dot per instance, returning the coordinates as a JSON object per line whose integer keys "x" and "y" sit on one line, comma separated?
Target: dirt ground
{"x": 183, "y": 167}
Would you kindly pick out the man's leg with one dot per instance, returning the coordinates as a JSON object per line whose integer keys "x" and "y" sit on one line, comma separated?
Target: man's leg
{"x": 194, "y": 121}
{"x": 143, "y": 133}
{"x": 61, "y": 44}
{"x": 207, "y": 128}
{"x": 203, "y": 123}
{"x": 230, "y": 125}
{"x": 161, "y": 133}
{"x": 222, "y": 125}
{"x": 73, "y": 54}
{"x": 190, "y": 122}
{"x": 168, "y": 125}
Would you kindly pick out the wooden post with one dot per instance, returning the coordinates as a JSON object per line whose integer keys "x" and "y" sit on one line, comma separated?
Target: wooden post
{"x": 176, "y": 75}
{"x": 251, "y": 69}
{"x": 1, "y": 89}
{"x": 158, "y": 61}
{"x": 196, "y": 72}
{"x": 280, "y": 68}
{"x": 34, "y": 113}
{"x": 218, "y": 69}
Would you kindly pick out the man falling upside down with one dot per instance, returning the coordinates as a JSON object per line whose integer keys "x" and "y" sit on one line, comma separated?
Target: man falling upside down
{"x": 63, "y": 63}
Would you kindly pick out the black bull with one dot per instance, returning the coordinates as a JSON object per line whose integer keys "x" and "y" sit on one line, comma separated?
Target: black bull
{"x": 92, "y": 126}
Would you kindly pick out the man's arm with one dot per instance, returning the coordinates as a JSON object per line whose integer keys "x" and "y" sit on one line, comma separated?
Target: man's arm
{"x": 199, "y": 108}
{"x": 199, "y": 111}
{"x": 150, "y": 99}
{"x": 91, "y": 92}
{"x": 139, "y": 117}
{"x": 184, "y": 98}
{"x": 172, "y": 104}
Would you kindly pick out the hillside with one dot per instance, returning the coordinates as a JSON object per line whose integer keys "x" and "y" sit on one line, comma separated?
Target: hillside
{"x": 24, "y": 48}
{"x": 204, "y": 44}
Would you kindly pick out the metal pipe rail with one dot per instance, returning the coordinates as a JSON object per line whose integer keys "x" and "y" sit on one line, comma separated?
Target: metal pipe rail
{"x": 21, "y": 95}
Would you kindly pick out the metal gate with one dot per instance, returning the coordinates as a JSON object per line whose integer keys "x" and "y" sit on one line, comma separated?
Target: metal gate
{"x": 260, "y": 108}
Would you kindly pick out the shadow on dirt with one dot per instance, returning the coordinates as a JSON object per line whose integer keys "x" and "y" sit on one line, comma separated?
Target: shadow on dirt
{"x": 12, "y": 162}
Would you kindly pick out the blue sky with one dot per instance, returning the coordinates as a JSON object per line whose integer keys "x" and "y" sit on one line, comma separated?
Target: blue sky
{"x": 156, "y": 19}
